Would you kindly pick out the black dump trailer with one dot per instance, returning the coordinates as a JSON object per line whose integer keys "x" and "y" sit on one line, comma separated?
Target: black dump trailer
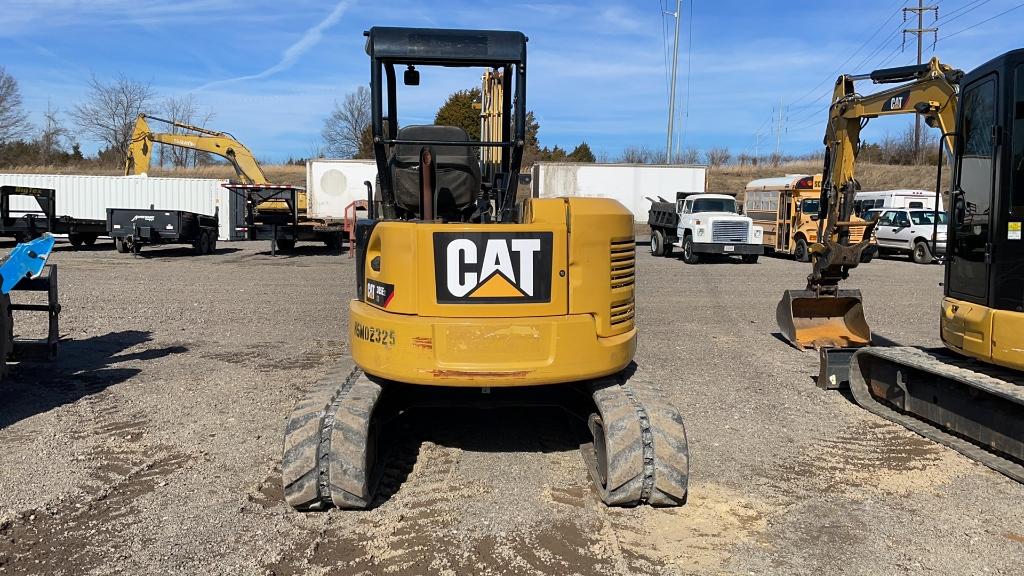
{"x": 25, "y": 225}
{"x": 131, "y": 228}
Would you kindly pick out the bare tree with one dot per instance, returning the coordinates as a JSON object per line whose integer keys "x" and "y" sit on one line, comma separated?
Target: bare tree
{"x": 345, "y": 130}
{"x": 687, "y": 156}
{"x": 184, "y": 110}
{"x": 717, "y": 156}
{"x": 110, "y": 111}
{"x": 52, "y": 137}
{"x": 13, "y": 120}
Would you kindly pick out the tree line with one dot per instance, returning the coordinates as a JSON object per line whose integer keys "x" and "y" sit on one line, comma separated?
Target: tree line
{"x": 107, "y": 115}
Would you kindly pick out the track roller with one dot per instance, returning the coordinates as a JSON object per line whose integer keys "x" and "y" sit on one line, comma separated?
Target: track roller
{"x": 330, "y": 443}
{"x": 639, "y": 453}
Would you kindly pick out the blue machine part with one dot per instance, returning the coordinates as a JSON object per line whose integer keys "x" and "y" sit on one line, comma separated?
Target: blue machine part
{"x": 26, "y": 259}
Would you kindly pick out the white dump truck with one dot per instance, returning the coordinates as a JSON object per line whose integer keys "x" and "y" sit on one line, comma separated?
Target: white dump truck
{"x": 703, "y": 224}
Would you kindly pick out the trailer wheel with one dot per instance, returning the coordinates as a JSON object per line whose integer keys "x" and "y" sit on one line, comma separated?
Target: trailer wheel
{"x": 657, "y": 243}
{"x": 213, "y": 243}
{"x": 286, "y": 244}
{"x": 202, "y": 244}
{"x": 120, "y": 245}
{"x": 89, "y": 239}
{"x": 75, "y": 240}
{"x": 334, "y": 242}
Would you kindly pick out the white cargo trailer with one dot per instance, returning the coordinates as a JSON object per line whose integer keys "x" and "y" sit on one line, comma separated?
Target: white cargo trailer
{"x": 88, "y": 197}
{"x": 332, "y": 185}
{"x": 630, "y": 184}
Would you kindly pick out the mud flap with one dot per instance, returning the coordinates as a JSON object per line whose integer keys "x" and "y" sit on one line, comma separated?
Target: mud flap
{"x": 809, "y": 320}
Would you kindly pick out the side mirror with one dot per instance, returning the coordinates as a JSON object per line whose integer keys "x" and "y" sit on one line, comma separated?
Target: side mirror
{"x": 411, "y": 76}
{"x": 959, "y": 207}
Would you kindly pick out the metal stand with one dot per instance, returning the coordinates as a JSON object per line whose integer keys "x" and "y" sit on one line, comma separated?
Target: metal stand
{"x": 45, "y": 348}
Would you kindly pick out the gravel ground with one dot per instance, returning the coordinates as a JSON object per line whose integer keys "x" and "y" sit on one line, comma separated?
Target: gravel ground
{"x": 152, "y": 445}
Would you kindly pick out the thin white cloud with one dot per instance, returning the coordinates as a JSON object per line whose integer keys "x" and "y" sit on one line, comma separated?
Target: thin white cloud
{"x": 310, "y": 39}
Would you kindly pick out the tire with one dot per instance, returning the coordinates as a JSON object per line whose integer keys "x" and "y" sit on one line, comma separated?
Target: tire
{"x": 922, "y": 253}
{"x": 201, "y": 245}
{"x": 666, "y": 250}
{"x": 286, "y": 244}
{"x": 76, "y": 240}
{"x": 120, "y": 246}
{"x": 801, "y": 253}
{"x": 750, "y": 258}
{"x": 333, "y": 242}
{"x": 657, "y": 243}
{"x": 689, "y": 256}
{"x": 213, "y": 243}
{"x": 89, "y": 239}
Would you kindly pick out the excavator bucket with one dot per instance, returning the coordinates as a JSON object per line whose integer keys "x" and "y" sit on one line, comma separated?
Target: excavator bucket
{"x": 812, "y": 321}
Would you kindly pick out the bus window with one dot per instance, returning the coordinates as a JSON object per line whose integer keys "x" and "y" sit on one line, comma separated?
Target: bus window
{"x": 916, "y": 205}
{"x": 809, "y": 206}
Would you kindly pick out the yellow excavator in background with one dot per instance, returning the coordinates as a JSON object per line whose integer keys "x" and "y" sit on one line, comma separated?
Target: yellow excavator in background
{"x": 466, "y": 296}
{"x": 222, "y": 144}
{"x": 970, "y": 395}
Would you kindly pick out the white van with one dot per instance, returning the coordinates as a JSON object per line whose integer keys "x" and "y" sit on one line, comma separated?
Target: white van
{"x": 909, "y": 199}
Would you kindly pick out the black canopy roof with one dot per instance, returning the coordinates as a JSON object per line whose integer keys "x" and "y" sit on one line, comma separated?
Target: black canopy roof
{"x": 446, "y": 47}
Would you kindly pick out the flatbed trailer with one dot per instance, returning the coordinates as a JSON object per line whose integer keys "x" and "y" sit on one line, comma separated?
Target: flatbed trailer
{"x": 25, "y": 225}
{"x": 284, "y": 228}
{"x": 132, "y": 228}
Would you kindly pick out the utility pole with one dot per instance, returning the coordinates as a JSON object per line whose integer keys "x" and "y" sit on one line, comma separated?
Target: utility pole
{"x": 919, "y": 31}
{"x": 672, "y": 91}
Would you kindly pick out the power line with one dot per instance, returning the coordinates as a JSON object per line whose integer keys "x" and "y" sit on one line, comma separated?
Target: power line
{"x": 975, "y": 25}
{"x": 686, "y": 94}
{"x": 963, "y": 11}
{"x": 851, "y": 56}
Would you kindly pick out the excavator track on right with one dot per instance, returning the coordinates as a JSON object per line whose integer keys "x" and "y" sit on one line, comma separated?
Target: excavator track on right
{"x": 970, "y": 395}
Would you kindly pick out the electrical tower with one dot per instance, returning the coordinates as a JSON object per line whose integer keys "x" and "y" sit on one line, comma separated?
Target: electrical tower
{"x": 919, "y": 32}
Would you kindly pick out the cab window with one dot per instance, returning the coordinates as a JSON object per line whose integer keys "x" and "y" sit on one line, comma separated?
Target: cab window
{"x": 888, "y": 218}
{"x": 687, "y": 205}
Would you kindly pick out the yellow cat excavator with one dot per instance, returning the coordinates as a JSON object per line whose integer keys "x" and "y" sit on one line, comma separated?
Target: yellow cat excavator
{"x": 197, "y": 138}
{"x": 465, "y": 295}
{"x": 968, "y": 396}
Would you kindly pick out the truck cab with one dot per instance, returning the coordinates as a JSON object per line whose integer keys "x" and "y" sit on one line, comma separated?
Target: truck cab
{"x": 704, "y": 225}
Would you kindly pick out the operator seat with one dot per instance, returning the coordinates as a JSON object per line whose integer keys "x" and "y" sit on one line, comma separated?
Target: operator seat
{"x": 457, "y": 171}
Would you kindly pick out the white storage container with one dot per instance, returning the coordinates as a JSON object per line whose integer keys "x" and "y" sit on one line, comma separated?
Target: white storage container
{"x": 88, "y": 197}
{"x": 630, "y": 184}
{"x": 331, "y": 185}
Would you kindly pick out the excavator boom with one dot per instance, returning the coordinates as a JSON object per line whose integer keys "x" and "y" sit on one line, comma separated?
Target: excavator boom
{"x": 196, "y": 138}
{"x": 821, "y": 315}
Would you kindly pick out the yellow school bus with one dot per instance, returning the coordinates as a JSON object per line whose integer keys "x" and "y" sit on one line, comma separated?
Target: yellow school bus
{"x": 786, "y": 208}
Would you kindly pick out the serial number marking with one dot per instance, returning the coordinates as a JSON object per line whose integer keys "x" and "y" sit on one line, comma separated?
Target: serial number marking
{"x": 375, "y": 335}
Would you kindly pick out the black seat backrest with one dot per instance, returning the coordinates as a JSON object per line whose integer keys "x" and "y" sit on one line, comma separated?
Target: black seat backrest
{"x": 458, "y": 169}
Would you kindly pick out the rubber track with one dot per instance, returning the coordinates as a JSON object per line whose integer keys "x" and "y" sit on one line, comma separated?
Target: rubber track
{"x": 645, "y": 450}
{"x": 306, "y": 450}
{"x": 921, "y": 360}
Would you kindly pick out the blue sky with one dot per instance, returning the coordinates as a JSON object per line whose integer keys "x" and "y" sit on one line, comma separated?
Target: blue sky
{"x": 271, "y": 71}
